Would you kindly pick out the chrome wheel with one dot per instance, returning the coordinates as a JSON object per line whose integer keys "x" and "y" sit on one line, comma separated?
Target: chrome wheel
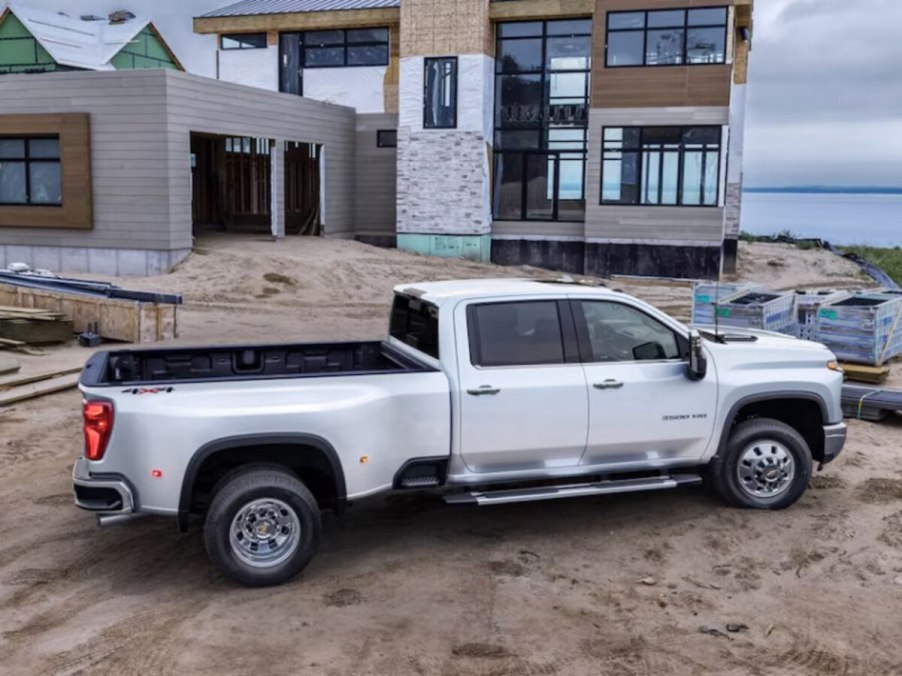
{"x": 766, "y": 468}
{"x": 265, "y": 533}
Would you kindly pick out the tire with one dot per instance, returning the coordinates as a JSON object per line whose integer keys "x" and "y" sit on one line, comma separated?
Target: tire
{"x": 766, "y": 465}
{"x": 263, "y": 526}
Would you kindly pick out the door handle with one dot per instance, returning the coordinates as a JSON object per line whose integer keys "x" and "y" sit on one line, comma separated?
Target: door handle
{"x": 484, "y": 389}
{"x": 609, "y": 384}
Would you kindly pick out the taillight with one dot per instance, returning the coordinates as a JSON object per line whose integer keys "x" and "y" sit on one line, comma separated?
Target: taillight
{"x": 98, "y": 426}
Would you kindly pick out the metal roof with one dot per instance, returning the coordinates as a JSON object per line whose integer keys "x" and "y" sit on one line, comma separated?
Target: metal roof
{"x": 252, "y": 7}
{"x": 74, "y": 42}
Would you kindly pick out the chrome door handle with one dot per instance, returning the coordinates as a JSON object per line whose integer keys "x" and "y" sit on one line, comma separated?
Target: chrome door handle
{"x": 609, "y": 384}
{"x": 484, "y": 389}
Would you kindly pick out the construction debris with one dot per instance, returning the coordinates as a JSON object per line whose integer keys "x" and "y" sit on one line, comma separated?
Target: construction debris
{"x": 8, "y": 366}
{"x": 870, "y": 403}
{"x": 34, "y": 326}
{"x": 38, "y": 389}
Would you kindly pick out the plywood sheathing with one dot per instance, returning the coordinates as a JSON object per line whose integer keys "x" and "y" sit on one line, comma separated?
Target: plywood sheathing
{"x": 446, "y": 28}
{"x": 392, "y": 73}
{"x": 516, "y": 10}
{"x": 298, "y": 21}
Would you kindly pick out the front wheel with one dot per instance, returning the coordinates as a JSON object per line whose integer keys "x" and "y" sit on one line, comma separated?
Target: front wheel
{"x": 766, "y": 465}
{"x": 263, "y": 527}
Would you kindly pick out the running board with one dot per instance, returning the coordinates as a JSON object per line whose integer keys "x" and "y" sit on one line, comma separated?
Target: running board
{"x": 503, "y": 497}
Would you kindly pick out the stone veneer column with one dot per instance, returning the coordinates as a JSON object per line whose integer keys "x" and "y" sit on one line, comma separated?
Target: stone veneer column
{"x": 733, "y": 194}
{"x": 444, "y": 190}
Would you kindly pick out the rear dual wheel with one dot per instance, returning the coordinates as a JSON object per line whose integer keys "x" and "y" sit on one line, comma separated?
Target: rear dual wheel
{"x": 263, "y": 526}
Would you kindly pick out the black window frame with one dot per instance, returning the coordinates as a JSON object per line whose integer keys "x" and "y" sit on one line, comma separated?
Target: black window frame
{"x": 27, "y": 161}
{"x": 380, "y": 138}
{"x": 569, "y": 341}
{"x": 414, "y": 307}
{"x": 681, "y": 151}
{"x": 685, "y": 28}
{"x": 235, "y": 36}
{"x": 586, "y": 351}
{"x": 544, "y": 125}
{"x": 455, "y": 73}
{"x": 345, "y": 45}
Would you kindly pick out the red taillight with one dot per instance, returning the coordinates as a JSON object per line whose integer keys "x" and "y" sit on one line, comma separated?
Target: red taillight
{"x": 98, "y": 425}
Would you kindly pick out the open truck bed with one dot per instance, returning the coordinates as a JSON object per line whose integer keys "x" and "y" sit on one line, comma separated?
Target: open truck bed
{"x": 253, "y": 362}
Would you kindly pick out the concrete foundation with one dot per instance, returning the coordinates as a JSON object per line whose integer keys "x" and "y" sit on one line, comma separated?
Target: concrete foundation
{"x": 121, "y": 262}
{"x": 566, "y": 256}
{"x": 693, "y": 262}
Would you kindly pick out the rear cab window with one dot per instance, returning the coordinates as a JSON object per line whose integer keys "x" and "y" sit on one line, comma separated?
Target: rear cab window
{"x": 415, "y": 323}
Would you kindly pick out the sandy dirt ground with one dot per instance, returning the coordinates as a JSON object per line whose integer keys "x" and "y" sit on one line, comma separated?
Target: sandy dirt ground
{"x": 631, "y": 584}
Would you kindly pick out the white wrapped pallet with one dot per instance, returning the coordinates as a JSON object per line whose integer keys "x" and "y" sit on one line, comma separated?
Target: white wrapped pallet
{"x": 865, "y": 328}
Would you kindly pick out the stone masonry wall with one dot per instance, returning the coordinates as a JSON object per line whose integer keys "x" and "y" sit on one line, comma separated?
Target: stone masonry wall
{"x": 732, "y": 210}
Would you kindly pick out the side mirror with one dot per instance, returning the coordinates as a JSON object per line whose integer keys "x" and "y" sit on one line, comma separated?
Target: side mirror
{"x": 698, "y": 363}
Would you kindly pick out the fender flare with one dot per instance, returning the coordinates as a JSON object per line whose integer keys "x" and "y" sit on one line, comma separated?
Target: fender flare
{"x": 250, "y": 440}
{"x": 756, "y": 398}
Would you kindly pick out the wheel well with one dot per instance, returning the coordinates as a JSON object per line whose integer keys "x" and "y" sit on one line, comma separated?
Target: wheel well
{"x": 309, "y": 463}
{"x": 804, "y": 415}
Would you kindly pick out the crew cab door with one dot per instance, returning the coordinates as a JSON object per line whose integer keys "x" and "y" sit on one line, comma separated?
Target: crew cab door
{"x": 642, "y": 407}
{"x": 522, "y": 395}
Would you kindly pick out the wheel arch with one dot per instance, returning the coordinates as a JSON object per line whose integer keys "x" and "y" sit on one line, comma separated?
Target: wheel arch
{"x": 296, "y": 452}
{"x": 788, "y": 406}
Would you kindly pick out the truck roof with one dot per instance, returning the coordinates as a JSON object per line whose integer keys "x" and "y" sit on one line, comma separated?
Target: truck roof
{"x": 438, "y": 292}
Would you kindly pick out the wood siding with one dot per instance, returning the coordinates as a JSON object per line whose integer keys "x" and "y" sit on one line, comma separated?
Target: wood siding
{"x": 701, "y": 85}
{"x": 74, "y": 130}
{"x": 141, "y": 124}
{"x": 298, "y": 21}
{"x": 519, "y": 10}
{"x": 376, "y": 171}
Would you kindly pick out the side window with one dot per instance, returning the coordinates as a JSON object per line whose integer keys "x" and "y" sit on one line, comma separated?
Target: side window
{"x": 515, "y": 334}
{"x": 618, "y": 332}
{"x": 440, "y": 97}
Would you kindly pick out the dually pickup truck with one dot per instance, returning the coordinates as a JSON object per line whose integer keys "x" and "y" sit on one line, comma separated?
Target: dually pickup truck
{"x": 490, "y": 391}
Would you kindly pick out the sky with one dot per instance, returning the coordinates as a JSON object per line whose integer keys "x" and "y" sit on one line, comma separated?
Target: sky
{"x": 824, "y": 94}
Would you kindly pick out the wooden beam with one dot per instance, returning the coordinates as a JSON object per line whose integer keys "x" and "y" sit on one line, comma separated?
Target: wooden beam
{"x": 165, "y": 45}
{"x": 18, "y": 381}
{"x": 39, "y": 389}
{"x": 298, "y": 21}
{"x": 540, "y": 9}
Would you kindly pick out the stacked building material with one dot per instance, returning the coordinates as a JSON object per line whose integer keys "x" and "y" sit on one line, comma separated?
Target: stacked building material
{"x": 757, "y": 309}
{"x": 865, "y": 328}
{"x": 705, "y": 295}
{"x": 809, "y": 302}
{"x": 33, "y": 326}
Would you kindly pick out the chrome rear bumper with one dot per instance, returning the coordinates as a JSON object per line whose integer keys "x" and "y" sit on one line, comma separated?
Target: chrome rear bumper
{"x": 105, "y": 493}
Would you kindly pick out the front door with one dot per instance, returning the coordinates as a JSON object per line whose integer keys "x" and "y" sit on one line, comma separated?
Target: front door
{"x": 642, "y": 407}
{"x": 523, "y": 403}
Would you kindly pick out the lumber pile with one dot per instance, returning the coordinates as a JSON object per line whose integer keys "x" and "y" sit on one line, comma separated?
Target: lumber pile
{"x": 862, "y": 373}
{"x": 34, "y": 326}
{"x": 16, "y": 389}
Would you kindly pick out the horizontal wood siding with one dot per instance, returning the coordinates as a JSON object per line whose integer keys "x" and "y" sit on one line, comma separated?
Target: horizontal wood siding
{"x": 376, "y": 172}
{"x": 702, "y": 85}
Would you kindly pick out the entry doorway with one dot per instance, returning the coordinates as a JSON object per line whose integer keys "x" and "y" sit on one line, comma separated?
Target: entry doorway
{"x": 303, "y": 215}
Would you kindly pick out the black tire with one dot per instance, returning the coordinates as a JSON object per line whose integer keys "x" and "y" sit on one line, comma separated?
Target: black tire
{"x": 725, "y": 472}
{"x": 246, "y": 487}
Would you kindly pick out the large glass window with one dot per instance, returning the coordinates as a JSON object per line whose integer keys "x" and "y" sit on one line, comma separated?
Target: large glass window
{"x": 541, "y": 113}
{"x": 30, "y": 171}
{"x": 440, "y": 96}
{"x": 667, "y": 37}
{"x": 243, "y": 41}
{"x": 677, "y": 166}
{"x": 515, "y": 334}
{"x": 415, "y": 323}
{"x": 618, "y": 332}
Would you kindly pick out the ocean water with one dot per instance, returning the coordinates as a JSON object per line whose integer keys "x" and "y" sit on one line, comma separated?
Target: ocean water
{"x": 838, "y": 218}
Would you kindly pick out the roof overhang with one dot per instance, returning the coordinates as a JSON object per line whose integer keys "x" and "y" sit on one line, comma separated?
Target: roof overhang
{"x": 298, "y": 21}
{"x": 744, "y": 12}
{"x": 513, "y": 10}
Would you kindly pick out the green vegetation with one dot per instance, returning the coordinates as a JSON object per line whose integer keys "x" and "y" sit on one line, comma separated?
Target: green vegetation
{"x": 890, "y": 260}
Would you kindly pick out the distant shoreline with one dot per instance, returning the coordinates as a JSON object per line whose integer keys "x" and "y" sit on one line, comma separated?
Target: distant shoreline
{"x": 827, "y": 190}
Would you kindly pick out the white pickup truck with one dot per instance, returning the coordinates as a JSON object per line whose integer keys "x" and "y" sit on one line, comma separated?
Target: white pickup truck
{"x": 490, "y": 391}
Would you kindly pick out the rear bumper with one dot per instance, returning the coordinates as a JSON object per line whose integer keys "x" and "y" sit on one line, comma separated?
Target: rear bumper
{"x": 834, "y": 440}
{"x": 101, "y": 493}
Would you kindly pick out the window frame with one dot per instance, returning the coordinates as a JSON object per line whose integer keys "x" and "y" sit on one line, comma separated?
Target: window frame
{"x": 26, "y": 160}
{"x": 422, "y": 308}
{"x": 380, "y": 135}
{"x": 685, "y": 28}
{"x": 586, "y": 353}
{"x": 242, "y": 48}
{"x": 454, "y": 94}
{"x": 569, "y": 342}
{"x": 345, "y": 46}
{"x": 681, "y": 151}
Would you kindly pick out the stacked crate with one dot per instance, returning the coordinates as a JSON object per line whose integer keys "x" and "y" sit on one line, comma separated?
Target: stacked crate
{"x": 809, "y": 302}
{"x": 865, "y": 328}
{"x": 705, "y": 295}
{"x": 757, "y": 309}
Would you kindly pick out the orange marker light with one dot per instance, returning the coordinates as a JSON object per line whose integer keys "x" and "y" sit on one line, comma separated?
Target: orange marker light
{"x": 364, "y": 459}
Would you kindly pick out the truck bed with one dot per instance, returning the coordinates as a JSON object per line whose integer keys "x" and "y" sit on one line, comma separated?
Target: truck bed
{"x": 251, "y": 362}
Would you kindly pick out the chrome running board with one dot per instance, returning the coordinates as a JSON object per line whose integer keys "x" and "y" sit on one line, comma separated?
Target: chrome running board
{"x": 557, "y": 492}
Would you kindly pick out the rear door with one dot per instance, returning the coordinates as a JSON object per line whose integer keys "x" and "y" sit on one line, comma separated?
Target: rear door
{"x": 523, "y": 398}
{"x": 642, "y": 407}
